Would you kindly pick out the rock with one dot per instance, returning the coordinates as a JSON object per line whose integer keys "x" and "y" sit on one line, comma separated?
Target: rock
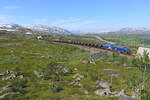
{"x": 103, "y": 84}
{"x": 75, "y": 69}
{"x": 38, "y": 74}
{"x": 75, "y": 83}
{"x": 134, "y": 94}
{"x": 86, "y": 92}
{"x": 114, "y": 94}
{"x": 85, "y": 61}
{"x": 121, "y": 93}
{"x": 125, "y": 65}
{"x": 6, "y": 91}
{"x": 45, "y": 56}
{"x": 40, "y": 38}
{"x": 76, "y": 80}
{"x": 126, "y": 98}
{"x": 96, "y": 56}
{"x": 115, "y": 75}
{"x": 3, "y": 96}
{"x": 78, "y": 77}
{"x": 80, "y": 85}
{"x": 9, "y": 77}
{"x": 102, "y": 92}
{"x": 92, "y": 62}
{"x": 65, "y": 70}
{"x": 111, "y": 71}
{"x": 5, "y": 73}
{"x": 21, "y": 76}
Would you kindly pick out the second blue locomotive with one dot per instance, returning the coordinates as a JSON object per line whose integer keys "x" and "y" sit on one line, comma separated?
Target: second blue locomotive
{"x": 116, "y": 48}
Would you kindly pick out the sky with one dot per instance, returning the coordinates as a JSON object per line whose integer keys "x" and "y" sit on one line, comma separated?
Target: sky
{"x": 77, "y": 15}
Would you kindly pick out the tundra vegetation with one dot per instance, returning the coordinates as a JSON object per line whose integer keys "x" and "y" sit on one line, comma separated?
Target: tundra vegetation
{"x": 43, "y": 70}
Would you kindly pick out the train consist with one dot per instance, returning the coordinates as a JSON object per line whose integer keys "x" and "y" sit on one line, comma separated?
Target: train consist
{"x": 119, "y": 49}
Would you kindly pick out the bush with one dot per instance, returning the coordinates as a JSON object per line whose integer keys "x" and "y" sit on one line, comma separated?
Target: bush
{"x": 18, "y": 85}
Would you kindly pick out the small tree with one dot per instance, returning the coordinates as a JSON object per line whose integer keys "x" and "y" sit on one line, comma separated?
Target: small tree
{"x": 142, "y": 63}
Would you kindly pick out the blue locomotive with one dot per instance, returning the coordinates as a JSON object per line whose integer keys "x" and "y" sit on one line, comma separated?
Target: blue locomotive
{"x": 116, "y": 48}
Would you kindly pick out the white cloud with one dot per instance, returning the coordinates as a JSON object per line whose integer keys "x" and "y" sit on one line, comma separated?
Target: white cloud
{"x": 10, "y": 7}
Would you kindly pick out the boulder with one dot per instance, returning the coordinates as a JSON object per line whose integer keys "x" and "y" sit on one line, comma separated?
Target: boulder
{"x": 65, "y": 70}
{"x": 78, "y": 77}
{"x": 9, "y": 77}
{"x": 103, "y": 84}
{"x": 85, "y": 61}
{"x": 86, "y": 92}
{"x": 126, "y": 98}
{"x": 5, "y": 73}
{"x": 102, "y": 92}
{"x": 21, "y": 76}
{"x": 38, "y": 74}
{"x": 75, "y": 69}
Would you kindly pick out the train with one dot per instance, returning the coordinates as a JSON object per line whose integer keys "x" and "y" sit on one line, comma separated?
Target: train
{"x": 120, "y": 49}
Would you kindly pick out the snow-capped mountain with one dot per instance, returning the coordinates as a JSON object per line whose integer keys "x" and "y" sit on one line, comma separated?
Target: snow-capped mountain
{"x": 38, "y": 29}
{"x": 11, "y": 26}
{"x": 49, "y": 29}
{"x": 131, "y": 30}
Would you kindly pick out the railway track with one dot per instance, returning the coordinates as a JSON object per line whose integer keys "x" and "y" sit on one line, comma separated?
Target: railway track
{"x": 98, "y": 46}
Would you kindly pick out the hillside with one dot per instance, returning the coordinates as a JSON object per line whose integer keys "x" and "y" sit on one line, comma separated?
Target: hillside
{"x": 39, "y": 69}
{"x": 130, "y": 31}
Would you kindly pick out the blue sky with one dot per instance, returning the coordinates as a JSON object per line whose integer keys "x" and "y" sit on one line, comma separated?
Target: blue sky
{"x": 77, "y": 15}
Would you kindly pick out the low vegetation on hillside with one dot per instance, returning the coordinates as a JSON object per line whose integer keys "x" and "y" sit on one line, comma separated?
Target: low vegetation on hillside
{"x": 32, "y": 69}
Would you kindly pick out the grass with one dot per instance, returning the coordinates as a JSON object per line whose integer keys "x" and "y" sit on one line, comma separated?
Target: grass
{"x": 35, "y": 54}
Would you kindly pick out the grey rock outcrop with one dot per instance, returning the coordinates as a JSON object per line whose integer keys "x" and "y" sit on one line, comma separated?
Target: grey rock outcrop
{"x": 126, "y": 98}
{"x": 38, "y": 74}
{"x": 76, "y": 81}
{"x": 5, "y": 73}
{"x": 103, "y": 84}
{"x": 9, "y": 77}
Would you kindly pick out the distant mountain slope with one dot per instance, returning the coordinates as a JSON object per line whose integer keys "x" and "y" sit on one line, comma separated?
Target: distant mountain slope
{"x": 38, "y": 29}
{"x": 10, "y": 26}
{"x": 130, "y": 30}
{"x": 49, "y": 29}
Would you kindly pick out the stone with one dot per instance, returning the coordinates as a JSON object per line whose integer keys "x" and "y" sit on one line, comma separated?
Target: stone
{"x": 65, "y": 70}
{"x": 78, "y": 77}
{"x": 102, "y": 92}
{"x": 21, "y": 76}
{"x": 115, "y": 75}
{"x": 5, "y": 73}
{"x": 125, "y": 65}
{"x": 38, "y": 74}
{"x": 85, "y": 61}
{"x": 75, "y": 69}
{"x": 126, "y": 98}
{"x": 103, "y": 84}
{"x": 39, "y": 38}
{"x": 9, "y": 77}
{"x": 86, "y": 92}
{"x": 96, "y": 56}
{"x": 121, "y": 93}
{"x": 109, "y": 71}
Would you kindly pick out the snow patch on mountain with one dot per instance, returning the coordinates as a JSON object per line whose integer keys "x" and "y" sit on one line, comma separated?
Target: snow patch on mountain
{"x": 49, "y": 29}
{"x": 11, "y": 26}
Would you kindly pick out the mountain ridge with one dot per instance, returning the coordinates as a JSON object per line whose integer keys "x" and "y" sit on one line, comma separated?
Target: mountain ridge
{"x": 37, "y": 29}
